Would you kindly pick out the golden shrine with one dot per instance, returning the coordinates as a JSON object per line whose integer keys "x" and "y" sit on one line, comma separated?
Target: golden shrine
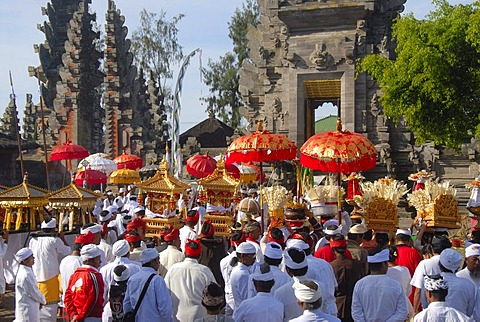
{"x": 21, "y": 205}
{"x": 218, "y": 190}
{"x": 73, "y": 202}
{"x": 163, "y": 190}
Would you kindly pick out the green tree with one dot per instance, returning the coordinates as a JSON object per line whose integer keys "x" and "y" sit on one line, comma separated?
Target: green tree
{"x": 434, "y": 80}
{"x": 156, "y": 49}
{"x": 222, "y": 76}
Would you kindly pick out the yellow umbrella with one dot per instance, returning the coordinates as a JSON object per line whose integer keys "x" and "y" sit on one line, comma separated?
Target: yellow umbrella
{"x": 124, "y": 176}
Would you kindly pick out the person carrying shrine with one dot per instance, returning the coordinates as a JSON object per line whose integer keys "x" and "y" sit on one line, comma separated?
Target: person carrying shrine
{"x": 172, "y": 254}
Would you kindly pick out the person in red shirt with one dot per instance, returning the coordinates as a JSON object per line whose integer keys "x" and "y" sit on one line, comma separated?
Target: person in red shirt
{"x": 332, "y": 232}
{"x": 84, "y": 294}
{"x": 407, "y": 255}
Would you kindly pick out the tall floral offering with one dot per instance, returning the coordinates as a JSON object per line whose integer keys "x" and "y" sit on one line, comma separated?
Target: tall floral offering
{"x": 379, "y": 202}
{"x": 436, "y": 204}
{"x": 277, "y": 198}
{"x": 324, "y": 198}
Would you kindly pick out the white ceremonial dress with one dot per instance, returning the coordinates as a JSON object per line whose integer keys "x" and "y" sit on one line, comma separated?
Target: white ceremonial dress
{"x": 47, "y": 251}
{"x": 186, "y": 233}
{"x": 226, "y": 269}
{"x": 171, "y": 255}
{"x": 378, "y": 298}
{"x": 107, "y": 250}
{"x": 461, "y": 293}
{"x": 262, "y": 307}
{"x": 3, "y": 252}
{"x": 239, "y": 280}
{"x": 156, "y": 304}
{"x": 186, "y": 281}
{"x": 27, "y": 296}
{"x": 279, "y": 276}
{"x": 439, "y": 312}
{"x": 321, "y": 271}
{"x": 402, "y": 275}
{"x": 428, "y": 266}
{"x": 465, "y": 273}
{"x": 68, "y": 265}
{"x": 315, "y": 316}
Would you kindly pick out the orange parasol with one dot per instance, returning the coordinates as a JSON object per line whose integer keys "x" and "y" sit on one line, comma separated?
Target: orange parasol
{"x": 339, "y": 151}
{"x": 124, "y": 176}
{"x": 128, "y": 161}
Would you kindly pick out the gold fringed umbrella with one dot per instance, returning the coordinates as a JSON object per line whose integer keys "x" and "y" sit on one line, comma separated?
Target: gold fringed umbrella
{"x": 124, "y": 176}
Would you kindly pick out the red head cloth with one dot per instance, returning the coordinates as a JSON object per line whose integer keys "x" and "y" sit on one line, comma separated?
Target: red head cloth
{"x": 238, "y": 237}
{"x": 271, "y": 239}
{"x": 166, "y": 230}
{"x": 193, "y": 216}
{"x": 193, "y": 248}
{"x": 342, "y": 243}
{"x": 171, "y": 235}
{"x": 136, "y": 223}
{"x": 207, "y": 229}
{"x": 85, "y": 239}
{"x": 131, "y": 238}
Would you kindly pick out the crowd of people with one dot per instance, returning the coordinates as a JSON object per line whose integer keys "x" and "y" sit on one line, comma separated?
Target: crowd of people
{"x": 323, "y": 271}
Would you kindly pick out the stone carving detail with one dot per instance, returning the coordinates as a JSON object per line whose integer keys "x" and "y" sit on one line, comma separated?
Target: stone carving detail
{"x": 319, "y": 56}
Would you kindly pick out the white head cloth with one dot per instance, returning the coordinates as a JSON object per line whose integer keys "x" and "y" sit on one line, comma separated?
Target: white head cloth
{"x": 105, "y": 216}
{"x": 96, "y": 228}
{"x": 305, "y": 294}
{"x": 382, "y": 256}
{"x": 450, "y": 259}
{"x": 297, "y": 243}
{"x": 246, "y": 248}
{"x": 290, "y": 263}
{"x": 273, "y": 250}
{"x": 120, "y": 248}
{"x": 51, "y": 224}
{"x": 472, "y": 250}
{"x": 124, "y": 274}
{"x": 89, "y": 251}
{"x": 23, "y": 254}
{"x": 257, "y": 274}
{"x": 404, "y": 232}
{"x": 148, "y": 254}
{"x": 113, "y": 208}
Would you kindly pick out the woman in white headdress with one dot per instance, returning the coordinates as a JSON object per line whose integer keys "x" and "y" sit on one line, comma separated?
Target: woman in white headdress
{"x": 27, "y": 295}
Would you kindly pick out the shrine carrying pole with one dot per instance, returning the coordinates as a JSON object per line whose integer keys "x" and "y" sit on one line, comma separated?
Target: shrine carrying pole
{"x": 43, "y": 130}
{"x": 175, "y": 162}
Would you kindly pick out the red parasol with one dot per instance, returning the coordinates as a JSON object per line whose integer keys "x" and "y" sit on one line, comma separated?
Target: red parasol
{"x": 92, "y": 177}
{"x": 128, "y": 161}
{"x": 202, "y": 165}
{"x": 68, "y": 151}
{"x": 339, "y": 151}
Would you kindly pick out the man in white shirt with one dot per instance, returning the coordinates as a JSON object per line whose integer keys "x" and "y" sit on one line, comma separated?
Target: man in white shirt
{"x": 186, "y": 281}
{"x": 105, "y": 217}
{"x": 274, "y": 257}
{"x": 461, "y": 293}
{"x": 120, "y": 199}
{"x": 309, "y": 298}
{"x": 427, "y": 267}
{"x": 156, "y": 304}
{"x": 171, "y": 255}
{"x": 188, "y": 231}
{"x": 239, "y": 279}
{"x": 472, "y": 270}
{"x": 47, "y": 249}
{"x": 96, "y": 230}
{"x": 109, "y": 201}
{"x": 377, "y": 297}
{"x": 263, "y": 306}
{"x": 436, "y": 289}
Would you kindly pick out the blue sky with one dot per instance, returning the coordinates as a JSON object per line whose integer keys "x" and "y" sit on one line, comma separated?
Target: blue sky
{"x": 204, "y": 26}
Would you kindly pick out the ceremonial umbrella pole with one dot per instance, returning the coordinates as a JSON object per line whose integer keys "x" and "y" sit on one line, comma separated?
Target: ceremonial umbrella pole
{"x": 339, "y": 151}
{"x": 68, "y": 151}
{"x": 261, "y": 146}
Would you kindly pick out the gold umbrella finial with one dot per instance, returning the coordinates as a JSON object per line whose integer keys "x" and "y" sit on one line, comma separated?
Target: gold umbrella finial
{"x": 259, "y": 126}
{"x": 339, "y": 124}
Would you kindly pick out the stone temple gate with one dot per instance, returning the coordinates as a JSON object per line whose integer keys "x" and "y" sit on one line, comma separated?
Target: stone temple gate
{"x": 304, "y": 53}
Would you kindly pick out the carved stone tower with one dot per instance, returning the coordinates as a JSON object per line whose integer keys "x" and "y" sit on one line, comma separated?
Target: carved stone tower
{"x": 303, "y": 54}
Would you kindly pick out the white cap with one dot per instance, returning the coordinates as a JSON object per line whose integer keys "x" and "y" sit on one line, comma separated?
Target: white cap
{"x": 273, "y": 250}
{"x": 246, "y": 248}
{"x": 332, "y": 232}
{"x": 113, "y": 208}
{"x": 472, "y": 250}
{"x": 331, "y": 222}
{"x": 148, "y": 254}
{"x": 95, "y": 228}
{"x": 252, "y": 190}
{"x": 132, "y": 197}
{"x": 51, "y": 224}
{"x": 121, "y": 273}
{"x": 104, "y": 216}
{"x": 305, "y": 294}
{"x": 450, "y": 259}
{"x": 380, "y": 257}
{"x": 403, "y": 232}
{"x": 109, "y": 193}
{"x": 266, "y": 276}
{"x": 121, "y": 190}
{"x": 358, "y": 229}
{"x": 138, "y": 209}
{"x": 290, "y": 263}
{"x": 89, "y": 251}
{"x": 297, "y": 243}
{"x": 120, "y": 248}
{"x": 23, "y": 254}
